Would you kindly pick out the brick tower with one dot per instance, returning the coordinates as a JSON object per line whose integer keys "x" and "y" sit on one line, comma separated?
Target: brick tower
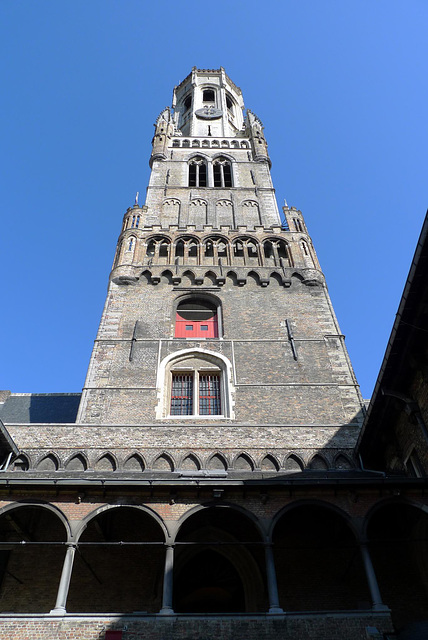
{"x": 217, "y": 315}
{"x": 208, "y": 482}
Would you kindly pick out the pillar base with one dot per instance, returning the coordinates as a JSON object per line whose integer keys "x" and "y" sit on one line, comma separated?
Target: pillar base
{"x": 380, "y": 607}
{"x": 275, "y": 609}
{"x": 167, "y": 611}
{"x": 58, "y": 611}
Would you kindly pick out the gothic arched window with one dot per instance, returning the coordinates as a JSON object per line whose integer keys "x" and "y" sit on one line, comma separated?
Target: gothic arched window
{"x": 197, "y": 172}
{"x": 222, "y": 173}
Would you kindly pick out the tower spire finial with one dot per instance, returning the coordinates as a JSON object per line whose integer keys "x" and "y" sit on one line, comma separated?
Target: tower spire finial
{"x": 136, "y": 198}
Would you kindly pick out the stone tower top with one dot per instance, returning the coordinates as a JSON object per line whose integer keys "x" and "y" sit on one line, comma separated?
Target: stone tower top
{"x": 208, "y": 103}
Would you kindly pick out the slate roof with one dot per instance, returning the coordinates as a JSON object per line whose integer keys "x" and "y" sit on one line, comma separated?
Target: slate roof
{"x": 24, "y": 408}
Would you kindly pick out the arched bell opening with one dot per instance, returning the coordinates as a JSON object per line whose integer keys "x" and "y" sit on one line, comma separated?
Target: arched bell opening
{"x": 398, "y": 542}
{"x": 318, "y": 561}
{"x": 31, "y": 558}
{"x": 111, "y": 575}
{"x": 219, "y": 564}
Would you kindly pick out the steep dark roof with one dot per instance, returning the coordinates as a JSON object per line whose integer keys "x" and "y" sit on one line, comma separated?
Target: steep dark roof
{"x": 40, "y": 407}
{"x": 407, "y": 348}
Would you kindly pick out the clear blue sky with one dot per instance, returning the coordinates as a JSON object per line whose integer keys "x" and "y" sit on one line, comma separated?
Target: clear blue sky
{"x": 341, "y": 87}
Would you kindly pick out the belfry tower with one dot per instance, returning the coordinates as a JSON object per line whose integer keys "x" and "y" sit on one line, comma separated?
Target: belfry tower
{"x": 217, "y": 314}
{"x": 207, "y": 484}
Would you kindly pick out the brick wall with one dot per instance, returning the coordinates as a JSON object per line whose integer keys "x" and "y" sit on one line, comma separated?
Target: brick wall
{"x": 315, "y": 627}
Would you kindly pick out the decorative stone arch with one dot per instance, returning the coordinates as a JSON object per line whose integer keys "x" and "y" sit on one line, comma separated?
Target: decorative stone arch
{"x": 277, "y": 252}
{"x": 225, "y": 213}
{"x": 107, "y": 507}
{"x": 313, "y": 541}
{"x": 232, "y": 277}
{"x": 52, "y": 457}
{"x": 163, "y": 462}
{"x": 391, "y": 501}
{"x": 198, "y": 212}
{"x": 269, "y": 462}
{"x": 106, "y": 455}
{"x": 215, "y": 247}
{"x": 188, "y": 277}
{"x": 223, "y": 461}
{"x": 79, "y": 455}
{"x": 193, "y": 462}
{"x": 249, "y": 213}
{"x": 317, "y": 503}
{"x": 224, "y": 505}
{"x": 166, "y": 277}
{"x": 230, "y": 525}
{"x": 21, "y": 463}
{"x": 294, "y": 463}
{"x": 124, "y": 544}
{"x": 246, "y": 251}
{"x": 210, "y": 278}
{"x": 158, "y": 249}
{"x": 186, "y": 250}
{"x": 139, "y": 458}
{"x": 342, "y": 461}
{"x": 170, "y": 211}
{"x": 396, "y": 533}
{"x": 253, "y": 277}
{"x": 243, "y": 461}
{"x": 37, "y": 569}
{"x": 318, "y": 463}
{"x": 43, "y": 505}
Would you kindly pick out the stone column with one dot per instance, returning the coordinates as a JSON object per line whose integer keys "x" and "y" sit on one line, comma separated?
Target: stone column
{"x": 377, "y": 603}
{"x": 271, "y": 580}
{"x": 64, "y": 583}
{"x": 168, "y": 581}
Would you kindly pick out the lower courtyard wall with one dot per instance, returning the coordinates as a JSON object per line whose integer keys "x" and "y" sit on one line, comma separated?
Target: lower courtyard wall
{"x": 332, "y": 626}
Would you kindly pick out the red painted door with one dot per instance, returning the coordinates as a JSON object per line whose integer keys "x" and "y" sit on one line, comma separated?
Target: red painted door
{"x": 196, "y": 328}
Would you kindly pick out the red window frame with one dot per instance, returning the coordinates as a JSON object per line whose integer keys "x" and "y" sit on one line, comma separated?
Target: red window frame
{"x": 209, "y": 394}
{"x": 182, "y": 394}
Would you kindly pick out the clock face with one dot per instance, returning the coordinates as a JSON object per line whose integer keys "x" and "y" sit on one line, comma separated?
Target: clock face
{"x": 209, "y": 113}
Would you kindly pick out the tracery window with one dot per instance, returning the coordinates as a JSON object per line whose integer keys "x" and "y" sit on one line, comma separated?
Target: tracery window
{"x": 215, "y": 249}
{"x": 274, "y": 250}
{"x": 246, "y": 251}
{"x": 158, "y": 250}
{"x": 197, "y": 172}
{"x": 222, "y": 169}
